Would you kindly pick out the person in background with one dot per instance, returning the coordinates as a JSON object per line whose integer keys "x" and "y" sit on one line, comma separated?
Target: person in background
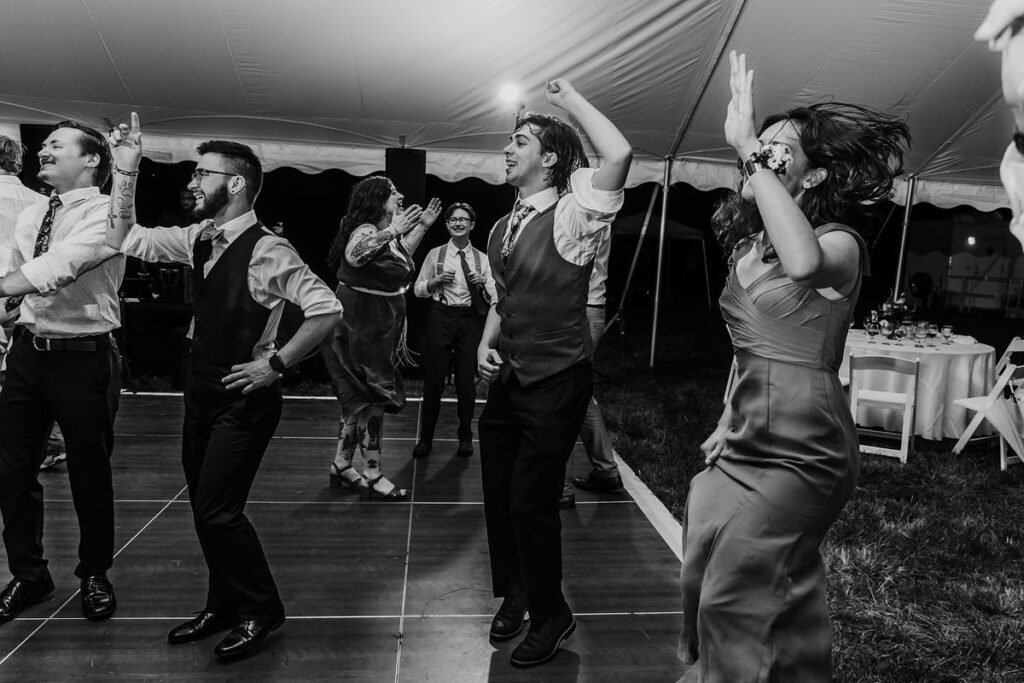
{"x": 597, "y": 442}
{"x": 63, "y": 365}
{"x": 242, "y": 274}
{"x": 535, "y": 351}
{"x": 457, "y": 279}
{"x": 372, "y": 255}
{"x": 784, "y": 458}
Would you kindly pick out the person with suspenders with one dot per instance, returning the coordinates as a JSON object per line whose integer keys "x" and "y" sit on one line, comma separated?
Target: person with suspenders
{"x": 457, "y": 279}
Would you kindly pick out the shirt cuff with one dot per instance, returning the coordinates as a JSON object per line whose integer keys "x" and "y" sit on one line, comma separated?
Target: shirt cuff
{"x": 591, "y": 199}
{"x": 40, "y": 276}
{"x": 322, "y": 307}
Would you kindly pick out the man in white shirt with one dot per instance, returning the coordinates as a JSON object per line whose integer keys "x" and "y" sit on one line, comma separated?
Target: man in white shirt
{"x": 536, "y": 350}
{"x": 63, "y": 364}
{"x": 243, "y": 274}
{"x": 457, "y": 279}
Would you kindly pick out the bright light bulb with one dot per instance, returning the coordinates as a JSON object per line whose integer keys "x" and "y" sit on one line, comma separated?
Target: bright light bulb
{"x": 971, "y": 241}
{"x": 509, "y": 93}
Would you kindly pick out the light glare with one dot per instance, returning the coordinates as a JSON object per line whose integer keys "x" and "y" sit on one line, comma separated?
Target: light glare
{"x": 509, "y": 93}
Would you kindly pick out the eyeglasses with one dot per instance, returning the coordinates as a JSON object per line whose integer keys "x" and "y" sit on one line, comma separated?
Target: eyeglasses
{"x": 460, "y": 220}
{"x": 201, "y": 173}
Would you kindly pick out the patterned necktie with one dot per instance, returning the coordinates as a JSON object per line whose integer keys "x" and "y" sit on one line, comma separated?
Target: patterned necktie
{"x": 42, "y": 244}
{"x": 474, "y": 291}
{"x": 519, "y": 212}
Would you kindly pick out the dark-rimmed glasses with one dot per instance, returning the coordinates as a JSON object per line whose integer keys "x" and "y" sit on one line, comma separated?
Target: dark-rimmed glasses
{"x": 201, "y": 173}
{"x": 460, "y": 220}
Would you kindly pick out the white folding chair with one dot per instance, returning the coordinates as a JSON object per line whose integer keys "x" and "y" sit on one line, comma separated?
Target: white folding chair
{"x": 905, "y": 400}
{"x": 731, "y": 381}
{"x": 1003, "y": 407}
{"x": 1016, "y": 345}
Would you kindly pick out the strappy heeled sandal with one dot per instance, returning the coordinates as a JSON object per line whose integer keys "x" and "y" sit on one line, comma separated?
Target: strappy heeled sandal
{"x": 395, "y": 495}
{"x": 338, "y": 479}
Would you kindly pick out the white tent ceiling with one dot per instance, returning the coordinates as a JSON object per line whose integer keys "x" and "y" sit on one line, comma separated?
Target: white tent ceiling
{"x": 319, "y": 84}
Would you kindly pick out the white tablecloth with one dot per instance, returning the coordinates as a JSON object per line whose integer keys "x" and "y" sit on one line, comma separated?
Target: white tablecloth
{"x": 948, "y": 372}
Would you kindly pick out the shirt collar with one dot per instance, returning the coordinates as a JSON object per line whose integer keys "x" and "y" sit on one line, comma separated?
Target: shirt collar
{"x": 468, "y": 249}
{"x": 543, "y": 200}
{"x": 233, "y": 228}
{"x": 10, "y": 180}
{"x": 77, "y": 195}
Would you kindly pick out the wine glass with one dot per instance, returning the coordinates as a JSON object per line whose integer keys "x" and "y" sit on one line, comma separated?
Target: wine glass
{"x": 900, "y": 332}
{"x": 872, "y": 329}
{"x": 887, "y": 328}
{"x": 920, "y": 333}
{"x": 933, "y": 332}
{"x": 946, "y": 331}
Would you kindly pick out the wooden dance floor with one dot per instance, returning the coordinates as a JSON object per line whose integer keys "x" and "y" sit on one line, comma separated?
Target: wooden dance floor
{"x": 373, "y": 591}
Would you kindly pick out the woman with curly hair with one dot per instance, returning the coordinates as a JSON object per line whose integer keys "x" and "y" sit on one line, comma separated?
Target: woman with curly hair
{"x": 372, "y": 257}
{"x": 784, "y": 458}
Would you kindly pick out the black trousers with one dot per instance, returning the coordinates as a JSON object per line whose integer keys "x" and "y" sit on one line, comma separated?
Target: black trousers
{"x": 450, "y": 329}
{"x": 79, "y": 389}
{"x": 526, "y": 437}
{"x": 224, "y": 437}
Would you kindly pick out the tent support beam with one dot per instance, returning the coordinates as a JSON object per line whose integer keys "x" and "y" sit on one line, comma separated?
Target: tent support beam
{"x": 911, "y": 184}
{"x": 636, "y": 257}
{"x": 661, "y": 251}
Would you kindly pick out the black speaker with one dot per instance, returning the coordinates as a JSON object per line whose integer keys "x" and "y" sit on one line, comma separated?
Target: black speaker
{"x": 407, "y": 169}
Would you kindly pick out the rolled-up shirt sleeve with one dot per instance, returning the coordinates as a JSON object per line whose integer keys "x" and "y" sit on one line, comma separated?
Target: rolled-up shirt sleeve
{"x": 276, "y": 272}
{"x": 489, "y": 286}
{"x": 419, "y": 288}
{"x": 583, "y": 216}
{"x": 68, "y": 258}
{"x": 161, "y": 244}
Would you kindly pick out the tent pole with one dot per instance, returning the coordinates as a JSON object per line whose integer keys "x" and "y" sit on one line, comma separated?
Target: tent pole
{"x": 661, "y": 250}
{"x": 707, "y": 279}
{"x": 911, "y": 184}
{"x": 636, "y": 257}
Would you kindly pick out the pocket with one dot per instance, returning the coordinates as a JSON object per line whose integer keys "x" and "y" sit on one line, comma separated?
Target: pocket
{"x": 556, "y": 335}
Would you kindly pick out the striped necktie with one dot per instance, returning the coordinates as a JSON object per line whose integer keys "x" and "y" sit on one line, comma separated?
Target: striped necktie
{"x": 42, "y": 244}
{"x": 519, "y": 212}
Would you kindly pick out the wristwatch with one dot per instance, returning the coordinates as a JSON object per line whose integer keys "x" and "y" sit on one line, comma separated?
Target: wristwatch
{"x": 276, "y": 364}
{"x": 753, "y": 165}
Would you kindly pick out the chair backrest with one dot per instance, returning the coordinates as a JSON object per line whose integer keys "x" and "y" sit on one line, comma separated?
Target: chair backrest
{"x": 1016, "y": 345}
{"x": 905, "y": 400}
{"x": 900, "y": 365}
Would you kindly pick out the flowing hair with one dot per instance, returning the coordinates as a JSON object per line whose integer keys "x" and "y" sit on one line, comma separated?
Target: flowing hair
{"x": 365, "y": 205}
{"x": 557, "y": 136}
{"x": 862, "y": 150}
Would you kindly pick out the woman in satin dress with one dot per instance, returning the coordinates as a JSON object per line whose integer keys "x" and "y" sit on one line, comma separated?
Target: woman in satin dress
{"x": 784, "y": 458}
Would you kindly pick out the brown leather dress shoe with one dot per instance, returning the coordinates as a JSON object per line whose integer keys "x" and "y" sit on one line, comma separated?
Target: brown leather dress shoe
{"x": 98, "y": 599}
{"x": 203, "y": 625}
{"x": 248, "y": 636}
{"x": 19, "y": 594}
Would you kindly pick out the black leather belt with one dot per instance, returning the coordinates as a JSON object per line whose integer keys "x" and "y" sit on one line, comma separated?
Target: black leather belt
{"x": 90, "y": 343}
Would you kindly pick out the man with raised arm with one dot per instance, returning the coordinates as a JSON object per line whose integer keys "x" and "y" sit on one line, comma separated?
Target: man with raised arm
{"x": 243, "y": 274}
{"x": 536, "y": 346}
{"x": 63, "y": 365}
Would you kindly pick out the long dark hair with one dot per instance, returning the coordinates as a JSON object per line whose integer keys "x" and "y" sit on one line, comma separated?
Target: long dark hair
{"x": 365, "y": 205}
{"x": 555, "y": 135}
{"x": 862, "y": 150}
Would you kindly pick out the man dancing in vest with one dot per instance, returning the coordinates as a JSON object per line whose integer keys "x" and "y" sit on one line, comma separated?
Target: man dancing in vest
{"x": 537, "y": 346}
{"x": 243, "y": 274}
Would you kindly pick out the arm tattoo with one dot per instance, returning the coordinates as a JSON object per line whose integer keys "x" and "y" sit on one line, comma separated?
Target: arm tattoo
{"x": 122, "y": 203}
{"x": 369, "y": 247}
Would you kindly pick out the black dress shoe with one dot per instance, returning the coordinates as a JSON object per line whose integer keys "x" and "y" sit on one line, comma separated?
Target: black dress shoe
{"x": 421, "y": 450}
{"x": 98, "y": 600}
{"x": 542, "y": 642}
{"x": 595, "y": 483}
{"x": 567, "y": 501}
{"x": 204, "y": 625}
{"x": 247, "y": 637}
{"x": 19, "y": 594}
{"x": 510, "y": 619}
{"x": 465, "y": 449}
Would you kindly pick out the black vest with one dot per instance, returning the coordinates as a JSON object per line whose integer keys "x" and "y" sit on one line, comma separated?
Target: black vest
{"x": 542, "y": 301}
{"x": 228, "y": 321}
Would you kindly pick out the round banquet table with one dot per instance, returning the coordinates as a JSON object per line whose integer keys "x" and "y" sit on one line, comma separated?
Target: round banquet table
{"x": 948, "y": 372}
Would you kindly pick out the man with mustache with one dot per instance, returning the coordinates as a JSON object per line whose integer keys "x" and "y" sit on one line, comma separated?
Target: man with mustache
{"x": 63, "y": 365}
{"x": 243, "y": 274}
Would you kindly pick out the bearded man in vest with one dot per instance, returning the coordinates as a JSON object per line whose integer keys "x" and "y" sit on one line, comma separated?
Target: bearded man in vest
{"x": 536, "y": 350}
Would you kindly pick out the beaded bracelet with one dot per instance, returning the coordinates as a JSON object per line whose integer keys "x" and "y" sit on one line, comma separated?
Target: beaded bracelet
{"x": 124, "y": 172}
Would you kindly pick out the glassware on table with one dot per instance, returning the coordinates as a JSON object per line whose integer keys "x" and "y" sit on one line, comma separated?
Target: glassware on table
{"x": 900, "y": 332}
{"x": 872, "y": 329}
{"x": 946, "y": 331}
{"x": 933, "y": 332}
{"x": 887, "y": 328}
{"x": 920, "y": 334}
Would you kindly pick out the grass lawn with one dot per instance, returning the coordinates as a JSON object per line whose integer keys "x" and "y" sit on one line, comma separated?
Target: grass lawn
{"x": 926, "y": 573}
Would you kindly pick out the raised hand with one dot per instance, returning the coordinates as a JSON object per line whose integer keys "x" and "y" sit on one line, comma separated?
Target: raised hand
{"x": 126, "y": 144}
{"x": 1000, "y": 16}
{"x": 407, "y": 220}
{"x": 740, "y": 132}
{"x": 431, "y": 213}
{"x": 557, "y": 91}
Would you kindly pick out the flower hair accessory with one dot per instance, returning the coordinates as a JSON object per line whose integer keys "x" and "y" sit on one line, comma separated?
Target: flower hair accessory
{"x": 773, "y": 156}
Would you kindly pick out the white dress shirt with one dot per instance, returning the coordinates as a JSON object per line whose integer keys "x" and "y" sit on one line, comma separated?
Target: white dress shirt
{"x": 456, "y": 292}
{"x": 14, "y": 198}
{"x": 583, "y": 217}
{"x": 276, "y": 272}
{"x": 78, "y": 276}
